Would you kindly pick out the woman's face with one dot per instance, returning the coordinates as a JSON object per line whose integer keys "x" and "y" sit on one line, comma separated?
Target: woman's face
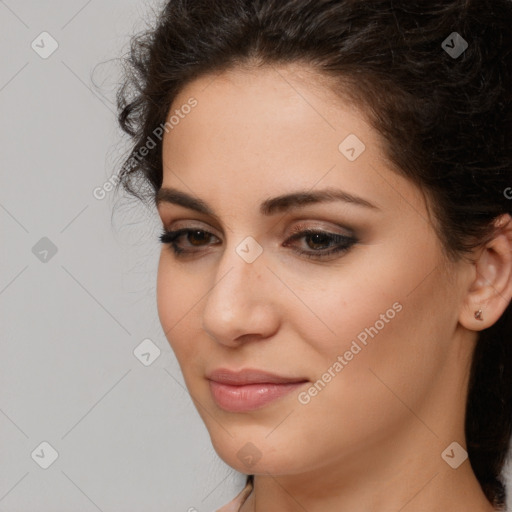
{"x": 359, "y": 314}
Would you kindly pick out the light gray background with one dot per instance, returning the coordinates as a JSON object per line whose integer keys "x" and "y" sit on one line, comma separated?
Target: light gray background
{"x": 127, "y": 435}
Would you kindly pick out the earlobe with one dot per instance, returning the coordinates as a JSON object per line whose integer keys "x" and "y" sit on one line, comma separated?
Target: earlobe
{"x": 490, "y": 290}
{"x": 478, "y": 315}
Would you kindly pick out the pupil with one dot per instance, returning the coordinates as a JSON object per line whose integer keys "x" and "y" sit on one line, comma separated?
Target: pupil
{"x": 194, "y": 236}
{"x": 318, "y": 238}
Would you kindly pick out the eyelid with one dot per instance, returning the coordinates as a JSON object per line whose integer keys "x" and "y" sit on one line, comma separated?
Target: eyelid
{"x": 309, "y": 226}
{"x": 301, "y": 226}
{"x": 190, "y": 224}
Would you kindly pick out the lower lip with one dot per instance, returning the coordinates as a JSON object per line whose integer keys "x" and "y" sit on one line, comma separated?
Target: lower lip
{"x": 250, "y": 396}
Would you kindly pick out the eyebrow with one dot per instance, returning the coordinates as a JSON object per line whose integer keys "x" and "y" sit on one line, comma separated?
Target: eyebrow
{"x": 269, "y": 206}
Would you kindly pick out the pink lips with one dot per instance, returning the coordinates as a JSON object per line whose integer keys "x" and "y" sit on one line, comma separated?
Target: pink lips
{"x": 248, "y": 390}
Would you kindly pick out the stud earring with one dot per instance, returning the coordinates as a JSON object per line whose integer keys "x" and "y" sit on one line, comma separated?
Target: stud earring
{"x": 478, "y": 315}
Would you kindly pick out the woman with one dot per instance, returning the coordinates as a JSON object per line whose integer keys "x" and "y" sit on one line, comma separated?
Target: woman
{"x": 333, "y": 179}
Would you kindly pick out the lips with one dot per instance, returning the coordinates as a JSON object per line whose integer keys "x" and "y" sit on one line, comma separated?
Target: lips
{"x": 249, "y": 389}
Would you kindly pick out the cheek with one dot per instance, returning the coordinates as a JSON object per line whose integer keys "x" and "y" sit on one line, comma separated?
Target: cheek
{"x": 166, "y": 295}
{"x": 373, "y": 394}
{"x": 176, "y": 296}
{"x": 387, "y": 351}
{"x": 379, "y": 320}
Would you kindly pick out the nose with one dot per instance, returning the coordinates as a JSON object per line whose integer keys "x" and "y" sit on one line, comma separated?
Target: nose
{"x": 240, "y": 305}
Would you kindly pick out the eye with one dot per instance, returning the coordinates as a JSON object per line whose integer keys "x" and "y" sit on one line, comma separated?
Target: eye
{"x": 196, "y": 238}
{"x": 322, "y": 244}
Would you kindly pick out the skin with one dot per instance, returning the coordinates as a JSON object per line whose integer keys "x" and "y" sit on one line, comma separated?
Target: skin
{"x": 372, "y": 438}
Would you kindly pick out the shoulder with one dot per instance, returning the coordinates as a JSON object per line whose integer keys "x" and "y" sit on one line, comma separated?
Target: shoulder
{"x": 235, "y": 504}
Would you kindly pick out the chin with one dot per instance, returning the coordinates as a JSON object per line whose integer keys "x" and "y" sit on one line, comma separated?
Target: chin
{"x": 249, "y": 451}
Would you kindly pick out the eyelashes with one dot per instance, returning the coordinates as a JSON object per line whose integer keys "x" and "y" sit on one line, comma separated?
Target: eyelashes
{"x": 331, "y": 244}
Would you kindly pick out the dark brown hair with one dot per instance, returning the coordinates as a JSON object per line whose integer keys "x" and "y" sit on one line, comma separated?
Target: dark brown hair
{"x": 445, "y": 120}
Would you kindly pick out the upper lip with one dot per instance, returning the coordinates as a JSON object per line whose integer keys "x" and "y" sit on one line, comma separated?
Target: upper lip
{"x": 249, "y": 376}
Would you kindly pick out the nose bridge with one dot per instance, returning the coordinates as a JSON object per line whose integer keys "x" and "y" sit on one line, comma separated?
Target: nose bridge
{"x": 237, "y": 302}
{"x": 242, "y": 267}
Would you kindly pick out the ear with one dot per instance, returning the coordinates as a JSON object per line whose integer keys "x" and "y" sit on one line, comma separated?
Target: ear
{"x": 490, "y": 288}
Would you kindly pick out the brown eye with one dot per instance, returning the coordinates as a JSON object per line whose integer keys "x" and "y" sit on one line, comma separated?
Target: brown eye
{"x": 193, "y": 237}
{"x": 197, "y": 237}
{"x": 321, "y": 244}
{"x": 318, "y": 244}
{"x": 319, "y": 240}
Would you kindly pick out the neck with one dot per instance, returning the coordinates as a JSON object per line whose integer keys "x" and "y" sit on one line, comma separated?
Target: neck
{"x": 424, "y": 482}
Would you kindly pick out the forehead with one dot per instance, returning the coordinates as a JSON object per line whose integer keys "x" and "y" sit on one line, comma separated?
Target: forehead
{"x": 274, "y": 129}
{"x": 266, "y": 112}
{"x": 291, "y": 91}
